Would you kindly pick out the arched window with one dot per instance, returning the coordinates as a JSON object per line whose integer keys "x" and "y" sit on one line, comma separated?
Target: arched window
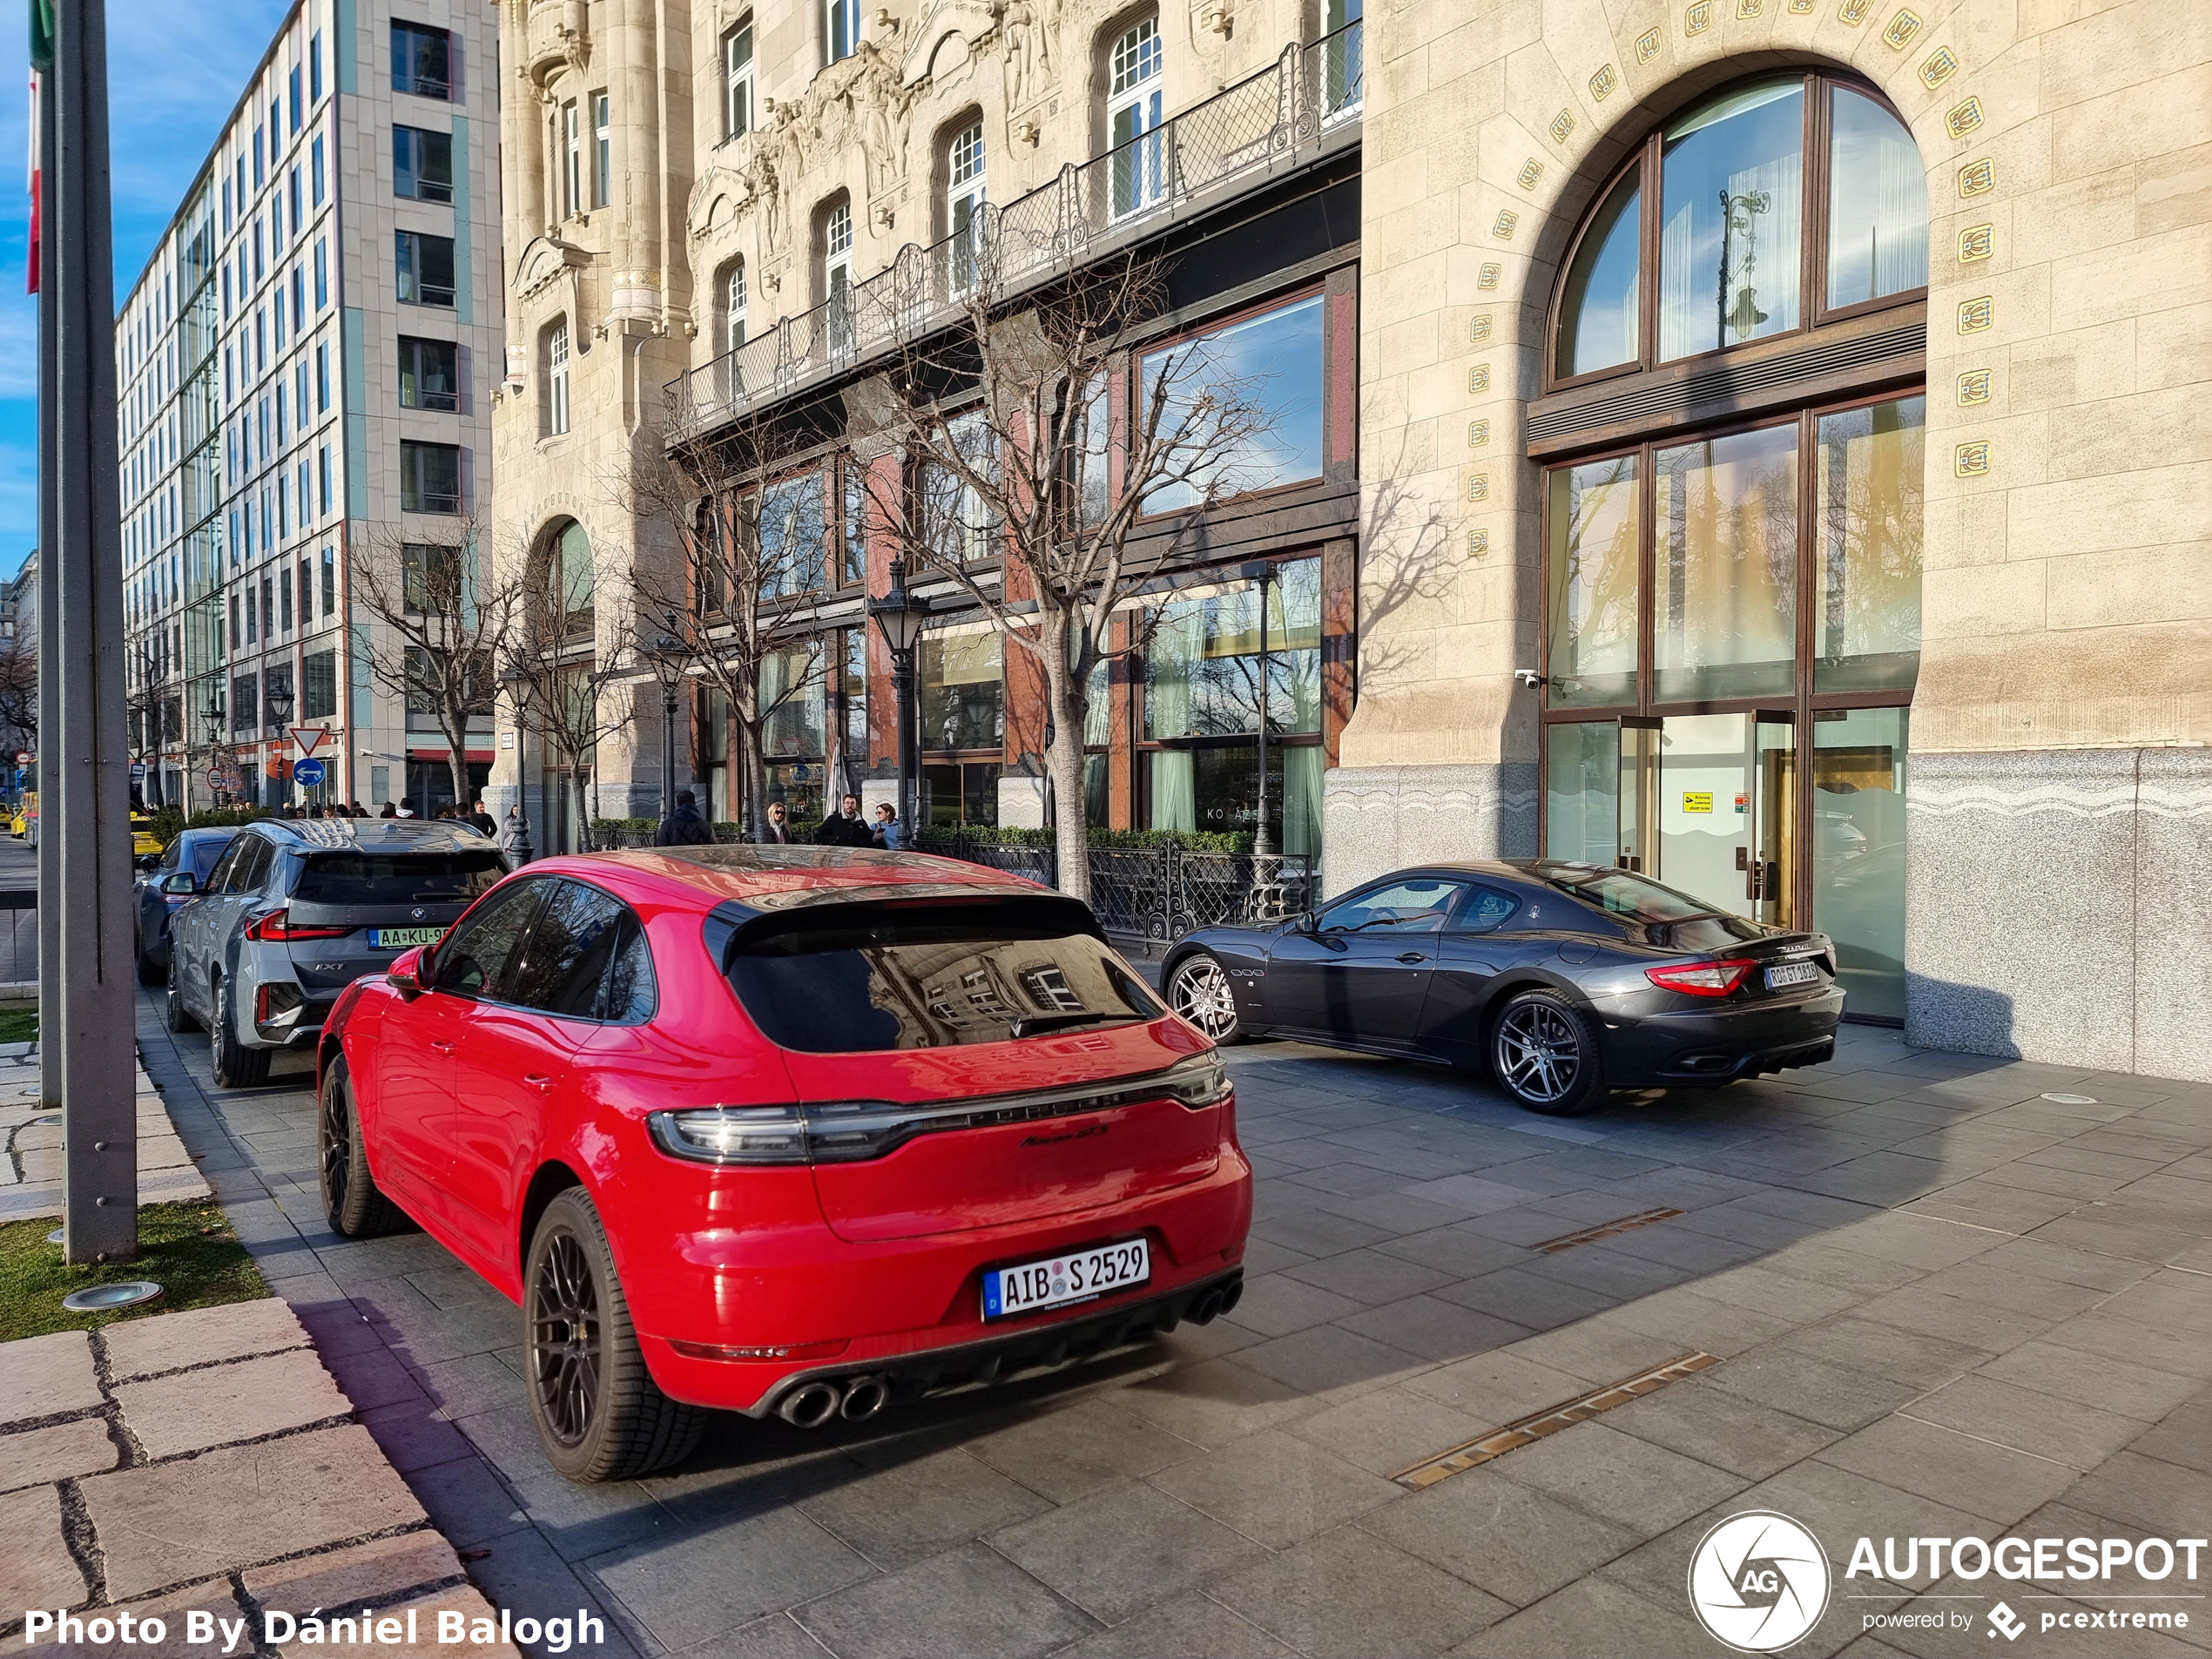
{"x": 1134, "y": 111}
{"x": 964, "y": 199}
{"x": 835, "y": 236}
{"x": 1731, "y": 608}
{"x": 737, "y": 78}
{"x": 553, "y": 401}
{"x": 571, "y": 583}
{"x": 733, "y": 307}
{"x": 1721, "y": 201}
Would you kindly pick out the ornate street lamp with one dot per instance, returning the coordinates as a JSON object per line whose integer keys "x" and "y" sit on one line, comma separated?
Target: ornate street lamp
{"x": 276, "y": 708}
{"x": 902, "y": 616}
{"x": 210, "y": 719}
{"x": 1266, "y": 897}
{"x": 665, "y": 657}
{"x": 515, "y": 682}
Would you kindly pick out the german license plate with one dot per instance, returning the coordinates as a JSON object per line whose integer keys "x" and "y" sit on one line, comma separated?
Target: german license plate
{"x": 1790, "y": 974}
{"x": 1077, "y": 1277}
{"x": 403, "y": 937}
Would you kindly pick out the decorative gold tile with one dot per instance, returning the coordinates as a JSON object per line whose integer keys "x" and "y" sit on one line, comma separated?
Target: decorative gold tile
{"x": 1479, "y": 379}
{"x": 1562, "y": 125}
{"x": 1488, "y": 275}
{"x": 1976, "y": 314}
{"x": 1603, "y": 82}
{"x": 1977, "y": 242}
{"x": 1479, "y": 486}
{"x": 1802, "y": 8}
{"x": 1971, "y": 460}
{"x": 1973, "y": 388}
{"x": 1854, "y": 12}
{"x": 1503, "y": 228}
{"x": 1942, "y": 64}
{"x": 1901, "y": 29}
{"x": 1746, "y": 8}
{"x": 1477, "y": 434}
{"x": 1962, "y": 119}
{"x": 1646, "y": 45}
{"x": 1698, "y": 18}
{"x": 1977, "y": 178}
{"x": 1531, "y": 171}
{"x": 1477, "y": 543}
{"x": 1479, "y": 327}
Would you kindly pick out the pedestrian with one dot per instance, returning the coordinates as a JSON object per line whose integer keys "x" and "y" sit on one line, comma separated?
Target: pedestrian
{"x": 774, "y": 834}
{"x": 485, "y": 823}
{"x": 686, "y": 826}
{"x": 890, "y": 834}
{"x": 360, "y": 811}
{"x": 511, "y": 832}
{"x": 389, "y": 811}
{"x": 846, "y": 828}
{"x": 407, "y": 806}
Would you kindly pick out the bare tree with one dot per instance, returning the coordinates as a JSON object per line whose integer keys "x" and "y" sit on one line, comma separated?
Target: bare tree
{"x": 446, "y": 616}
{"x": 19, "y": 688}
{"x": 1034, "y": 439}
{"x": 567, "y": 658}
{"x": 742, "y": 601}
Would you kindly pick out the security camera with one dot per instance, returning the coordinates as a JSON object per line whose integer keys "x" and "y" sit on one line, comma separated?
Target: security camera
{"x": 1529, "y": 677}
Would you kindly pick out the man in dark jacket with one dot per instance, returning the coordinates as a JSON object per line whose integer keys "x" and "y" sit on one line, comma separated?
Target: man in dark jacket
{"x": 846, "y": 828}
{"x": 686, "y": 826}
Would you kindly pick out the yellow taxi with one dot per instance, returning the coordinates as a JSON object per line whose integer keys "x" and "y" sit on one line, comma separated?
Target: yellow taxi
{"x": 144, "y": 841}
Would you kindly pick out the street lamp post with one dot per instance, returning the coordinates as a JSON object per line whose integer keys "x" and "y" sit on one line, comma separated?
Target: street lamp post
{"x": 277, "y": 706}
{"x": 521, "y": 850}
{"x": 1266, "y": 894}
{"x": 902, "y": 616}
{"x": 666, "y": 656}
{"x": 211, "y": 717}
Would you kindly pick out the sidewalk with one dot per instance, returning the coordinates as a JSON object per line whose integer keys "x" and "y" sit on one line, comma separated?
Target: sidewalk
{"x": 30, "y": 1145}
{"x": 205, "y": 1462}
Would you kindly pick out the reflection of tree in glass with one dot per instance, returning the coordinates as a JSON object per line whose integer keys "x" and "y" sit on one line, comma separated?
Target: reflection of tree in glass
{"x": 1594, "y": 598}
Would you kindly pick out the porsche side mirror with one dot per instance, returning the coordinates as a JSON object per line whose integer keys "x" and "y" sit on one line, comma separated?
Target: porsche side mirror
{"x": 182, "y": 882}
{"x": 409, "y": 972}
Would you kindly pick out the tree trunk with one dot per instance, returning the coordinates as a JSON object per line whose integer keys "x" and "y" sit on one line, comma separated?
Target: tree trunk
{"x": 1064, "y": 762}
{"x": 457, "y": 763}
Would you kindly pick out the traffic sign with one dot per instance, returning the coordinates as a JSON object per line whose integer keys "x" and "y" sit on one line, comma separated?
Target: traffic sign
{"x": 306, "y": 773}
{"x": 309, "y": 738}
{"x": 23, "y": 756}
{"x": 215, "y": 777}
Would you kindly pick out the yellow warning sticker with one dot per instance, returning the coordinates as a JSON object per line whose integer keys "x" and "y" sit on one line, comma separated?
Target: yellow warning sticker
{"x": 1697, "y": 800}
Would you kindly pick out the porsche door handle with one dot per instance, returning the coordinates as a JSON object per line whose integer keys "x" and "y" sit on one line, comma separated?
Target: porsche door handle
{"x": 443, "y": 1048}
{"x": 538, "y": 1081}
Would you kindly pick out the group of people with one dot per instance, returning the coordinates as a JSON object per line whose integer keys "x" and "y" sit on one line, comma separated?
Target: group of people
{"x": 476, "y": 818}
{"x": 687, "y": 826}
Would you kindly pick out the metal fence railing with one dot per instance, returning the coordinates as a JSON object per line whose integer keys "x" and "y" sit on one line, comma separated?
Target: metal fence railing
{"x": 1277, "y": 116}
{"x": 1156, "y": 893}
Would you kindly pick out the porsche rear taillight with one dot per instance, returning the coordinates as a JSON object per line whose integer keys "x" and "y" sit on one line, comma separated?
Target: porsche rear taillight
{"x": 1715, "y": 978}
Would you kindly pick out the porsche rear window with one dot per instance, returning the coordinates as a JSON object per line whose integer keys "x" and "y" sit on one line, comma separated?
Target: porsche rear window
{"x": 855, "y": 980}
{"x": 397, "y": 878}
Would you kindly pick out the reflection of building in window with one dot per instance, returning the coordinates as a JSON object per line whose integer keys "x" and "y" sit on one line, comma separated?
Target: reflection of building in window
{"x": 1050, "y": 990}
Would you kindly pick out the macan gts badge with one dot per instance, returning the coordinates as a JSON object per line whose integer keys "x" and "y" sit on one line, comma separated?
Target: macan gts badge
{"x": 800, "y": 1130}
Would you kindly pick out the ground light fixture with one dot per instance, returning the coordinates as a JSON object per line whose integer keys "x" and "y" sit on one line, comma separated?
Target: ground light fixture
{"x": 108, "y": 1298}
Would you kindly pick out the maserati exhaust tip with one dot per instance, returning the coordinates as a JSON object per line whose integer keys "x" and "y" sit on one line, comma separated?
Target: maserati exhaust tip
{"x": 868, "y": 1396}
{"x": 809, "y": 1406}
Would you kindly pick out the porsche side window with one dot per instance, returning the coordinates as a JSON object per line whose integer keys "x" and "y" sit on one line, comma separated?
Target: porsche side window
{"x": 1414, "y": 907}
{"x": 478, "y": 957}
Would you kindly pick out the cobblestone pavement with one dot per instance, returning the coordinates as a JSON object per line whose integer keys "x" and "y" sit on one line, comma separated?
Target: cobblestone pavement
{"x": 204, "y": 1462}
{"x": 1948, "y": 1295}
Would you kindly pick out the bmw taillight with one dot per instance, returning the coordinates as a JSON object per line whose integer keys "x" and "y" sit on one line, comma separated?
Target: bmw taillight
{"x": 276, "y": 927}
{"x": 1715, "y": 978}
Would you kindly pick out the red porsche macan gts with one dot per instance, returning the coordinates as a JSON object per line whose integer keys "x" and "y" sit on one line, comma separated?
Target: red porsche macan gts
{"x": 790, "y": 1129}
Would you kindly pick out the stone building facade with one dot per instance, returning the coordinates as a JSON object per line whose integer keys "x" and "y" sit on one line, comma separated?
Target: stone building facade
{"x": 1757, "y": 447}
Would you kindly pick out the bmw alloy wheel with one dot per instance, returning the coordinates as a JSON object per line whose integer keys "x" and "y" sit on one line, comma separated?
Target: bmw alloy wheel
{"x": 1538, "y": 1052}
{"x": 1201, "y": 994}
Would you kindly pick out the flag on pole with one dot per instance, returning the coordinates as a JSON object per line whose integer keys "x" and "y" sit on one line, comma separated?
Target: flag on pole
{"x": 41, "y": 64}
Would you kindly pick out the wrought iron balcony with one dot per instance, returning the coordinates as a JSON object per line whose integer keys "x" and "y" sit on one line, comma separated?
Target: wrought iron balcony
{"x": 1280, "y": 117}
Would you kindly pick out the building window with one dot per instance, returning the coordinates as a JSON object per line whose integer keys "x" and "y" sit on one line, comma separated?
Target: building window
{"x": 293, "y": 90}
{"x": 737, "y": 79}
{"x": 428, "y": 376}
{"x": 314, "y": 170}
{"x": 603, "y": 151}
{"x": 318, "y": 691}
{"x": 837, "y": 271}
{"x": 840, "y": 29}
{"x": 322, "y": 274}
{"x": 571, "y": 159}
{"x": 1276, "y": 360}
{"x": 329, "y": 583}
{"x": 314, "y": 67}
{"x": 261, "y": 164}
{"x": 425, "y": 268}
{"x": 1133, "y": 117}
{"x": 961, "y": 701}
{"x": 733, "y": 300}
{"x": 430, "y": 477}
{"x": 322, "y": 379}
{"x": 555, "y": 408}
{"x": 422, "y": 164}
{"x": 964, "y": 200}
{"x": 421, "y": 61}
{"x": 322, "y": 506}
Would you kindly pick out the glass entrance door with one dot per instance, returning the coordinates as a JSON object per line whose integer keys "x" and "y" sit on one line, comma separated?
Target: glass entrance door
{"x": 1724, "y": 810}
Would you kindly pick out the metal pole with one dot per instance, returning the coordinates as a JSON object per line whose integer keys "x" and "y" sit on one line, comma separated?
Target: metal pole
{"x": 1263, "y": 840}
{"x": 100, "y": 1116}
{"x": 47, "y": 774}
{"x": 667, "y": 748}
{"x": 902, "y": 676}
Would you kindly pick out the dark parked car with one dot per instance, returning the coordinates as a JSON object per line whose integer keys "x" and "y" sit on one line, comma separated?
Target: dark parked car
{"x": 1562, "y": 979}
{"x": 166, "y": 882}
{"x": 296, "y": 910}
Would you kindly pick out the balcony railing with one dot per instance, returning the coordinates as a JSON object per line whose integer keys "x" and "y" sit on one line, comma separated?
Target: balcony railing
{"x": 1281, "y": 114}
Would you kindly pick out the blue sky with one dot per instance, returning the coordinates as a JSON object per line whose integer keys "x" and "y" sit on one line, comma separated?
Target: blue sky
{"x": 173, "y": 73}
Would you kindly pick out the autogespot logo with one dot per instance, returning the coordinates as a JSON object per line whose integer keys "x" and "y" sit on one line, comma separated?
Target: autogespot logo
{"x": 1759, "y": 1582}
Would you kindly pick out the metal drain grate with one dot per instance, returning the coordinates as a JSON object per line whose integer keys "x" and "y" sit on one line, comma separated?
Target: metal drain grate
{"x": 1604, "y": 1230}
{"x": 1535, "y": 1427}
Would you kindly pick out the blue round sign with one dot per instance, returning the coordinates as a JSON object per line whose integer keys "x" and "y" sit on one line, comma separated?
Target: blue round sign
{"x": 306, "y": 773}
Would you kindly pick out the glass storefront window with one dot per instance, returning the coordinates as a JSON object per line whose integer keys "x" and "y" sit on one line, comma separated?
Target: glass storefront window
{"x": 956, "y": 792}
{"x": 1202, "y": 673}
{"x": 853, "y": 744}
{"x": 1594, "y": 510}
{"x": 792, "y": 701}
{"x": 1878, "y": 203}
{"x": 1217, "y": 790}
{"x": 1598, "y": 308}
{"x": 1582, "y": 792}
{"x": 1866, "y": 560}
{"x": 1858, "y": 778}
{"x": 1730, "y": 219}
{"x": 791, "y": 534}
{"x": 962, "y": 692}
{"x": 798, "y": 785}
{"x": 1725, "y": 568}
{"x": 1274, "y": 362}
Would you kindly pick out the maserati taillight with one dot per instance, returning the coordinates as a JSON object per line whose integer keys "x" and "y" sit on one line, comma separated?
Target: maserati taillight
{"x": 1715, "y": 978}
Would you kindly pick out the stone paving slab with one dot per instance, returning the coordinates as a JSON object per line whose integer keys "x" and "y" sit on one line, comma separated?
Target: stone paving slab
{"x": 200, "y": 1336}
{"x": 36, "y": 1566}
{"x": 38, "y": 1457}
{"x": 30, "y": 1143}
{"x": 222, "y": 1404}
{"x": 40, "y": 1376}
{"x": 1925, "y": 1322}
